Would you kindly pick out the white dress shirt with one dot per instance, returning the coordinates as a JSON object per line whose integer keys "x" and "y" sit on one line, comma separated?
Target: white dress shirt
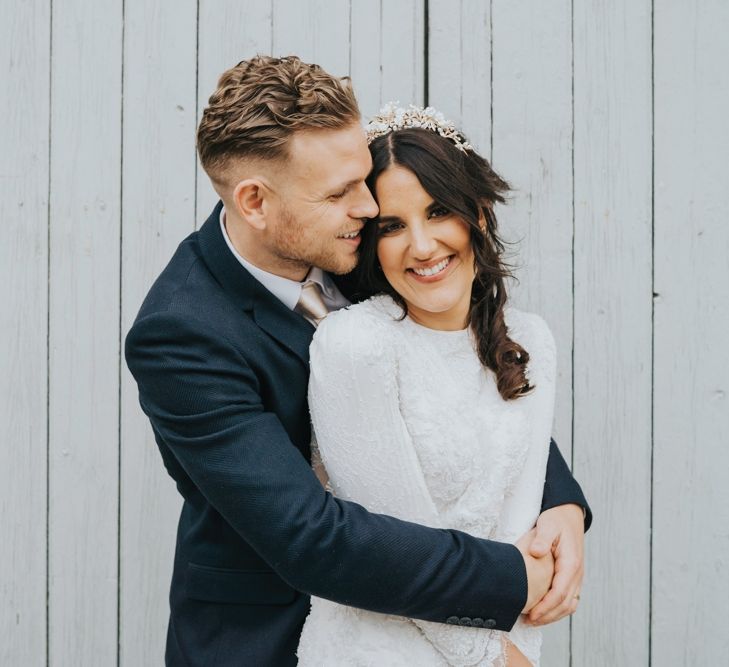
{"x": 284, "y": 289}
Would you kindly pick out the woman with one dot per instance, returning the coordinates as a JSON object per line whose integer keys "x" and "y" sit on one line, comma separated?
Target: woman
{"x": 431, "y": 401}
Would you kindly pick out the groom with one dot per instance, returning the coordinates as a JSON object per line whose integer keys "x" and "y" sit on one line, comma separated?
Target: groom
{"x": 220, "y": 354}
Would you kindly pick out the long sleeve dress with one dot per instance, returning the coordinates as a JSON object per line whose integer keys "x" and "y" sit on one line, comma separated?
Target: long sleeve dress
{"x": 408, "y": 423}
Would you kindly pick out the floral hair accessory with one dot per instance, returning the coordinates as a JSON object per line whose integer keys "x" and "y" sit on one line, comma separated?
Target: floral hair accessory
{"x": 392, "y": 117}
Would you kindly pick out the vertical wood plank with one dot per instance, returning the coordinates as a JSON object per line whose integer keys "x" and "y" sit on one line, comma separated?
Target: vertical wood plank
{"x": 228, "y": 31}
{"x": 611, "y": 280}
{"x": 459, "y": 66}
{"x": 366, "y": 55}
{"x": 158, "y": 212}
{"x": 612, "y": 354}
{"x": 532, "y": 137}
{"x": 532, "y": 149}
{"x": 403, "y": 51}
{"x": 24, "y": 107}
{"x": 691, "y": 456}
{"x": 84, "y": 331}
{"x": 387, "y": 58}
{"x": 317, "y": 31}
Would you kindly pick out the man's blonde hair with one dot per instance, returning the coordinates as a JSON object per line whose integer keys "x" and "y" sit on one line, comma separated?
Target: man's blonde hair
{"x": 260, "y": 103}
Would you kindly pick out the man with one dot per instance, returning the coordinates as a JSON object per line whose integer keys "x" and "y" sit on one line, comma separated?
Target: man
{"x": 220, "y": 353}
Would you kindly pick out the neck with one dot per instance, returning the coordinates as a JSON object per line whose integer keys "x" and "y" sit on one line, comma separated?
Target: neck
{"x": 253, "y": 250}
{"x": 447, "y": 321}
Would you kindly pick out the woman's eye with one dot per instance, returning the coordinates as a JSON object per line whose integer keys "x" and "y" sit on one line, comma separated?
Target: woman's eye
{"x": 439, "y": 212}
{"x": 389, "y": 227}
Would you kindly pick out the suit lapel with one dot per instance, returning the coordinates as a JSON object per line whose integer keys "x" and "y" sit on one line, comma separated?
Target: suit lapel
{"x": 286, "y": 326}
{"x": 272, "y": 316}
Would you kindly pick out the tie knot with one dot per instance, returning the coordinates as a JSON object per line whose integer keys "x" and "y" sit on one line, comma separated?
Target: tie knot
{"x": 310, "y": 304}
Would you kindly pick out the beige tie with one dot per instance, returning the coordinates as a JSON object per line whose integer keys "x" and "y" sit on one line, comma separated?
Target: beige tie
{"x": 310, "y": 304}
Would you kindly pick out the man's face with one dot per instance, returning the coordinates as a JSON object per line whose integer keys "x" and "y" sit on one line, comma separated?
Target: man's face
{"x": 321, "y": 201}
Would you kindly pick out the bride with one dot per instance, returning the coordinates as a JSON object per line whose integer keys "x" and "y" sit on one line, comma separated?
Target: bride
{"x": 431, "y": 401}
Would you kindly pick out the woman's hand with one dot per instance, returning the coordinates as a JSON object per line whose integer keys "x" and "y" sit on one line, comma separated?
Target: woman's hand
{"x": 540, "y": 570}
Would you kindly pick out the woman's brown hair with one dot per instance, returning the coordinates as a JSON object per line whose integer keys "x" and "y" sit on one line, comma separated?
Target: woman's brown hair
{"x": 465, "y": 184}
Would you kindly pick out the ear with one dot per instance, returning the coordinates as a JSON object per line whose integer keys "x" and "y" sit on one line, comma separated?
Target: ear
{"x": 482, "y": 221}
{"x": 249, "y": 197}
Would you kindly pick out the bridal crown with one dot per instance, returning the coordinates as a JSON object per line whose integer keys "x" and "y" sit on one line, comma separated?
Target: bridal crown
{"x": 392, "y": 117}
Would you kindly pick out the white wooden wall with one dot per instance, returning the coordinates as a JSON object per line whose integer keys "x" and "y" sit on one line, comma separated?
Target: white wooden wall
{"x": 610, "y": 120}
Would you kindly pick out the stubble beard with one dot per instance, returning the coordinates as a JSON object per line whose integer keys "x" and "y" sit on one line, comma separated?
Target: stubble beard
{"x": 293, "y": 249}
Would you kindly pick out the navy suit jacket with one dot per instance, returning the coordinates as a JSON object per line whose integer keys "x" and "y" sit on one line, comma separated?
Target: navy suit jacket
{"x": 222, "y": 370}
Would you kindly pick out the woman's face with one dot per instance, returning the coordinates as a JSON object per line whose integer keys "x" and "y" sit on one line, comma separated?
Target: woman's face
{"x": 424, "y": 250}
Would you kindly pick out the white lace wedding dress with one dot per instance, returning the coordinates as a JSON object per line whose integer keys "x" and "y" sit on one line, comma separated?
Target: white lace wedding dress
{"x": 408, "y": 423}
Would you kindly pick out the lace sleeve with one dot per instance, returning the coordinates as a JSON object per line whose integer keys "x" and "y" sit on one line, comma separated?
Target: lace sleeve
{"x": 363, "y": 441}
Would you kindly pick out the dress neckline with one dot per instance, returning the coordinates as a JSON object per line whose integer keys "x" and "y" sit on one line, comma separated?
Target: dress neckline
{"x": 440, "y": 333}
{"x": 458, "y": 339}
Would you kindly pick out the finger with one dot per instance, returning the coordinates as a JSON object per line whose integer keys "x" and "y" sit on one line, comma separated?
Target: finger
{"x": 568, "y": 607}
{"x": 552, "y": 601}
{"x": 560, "y": 605}
{"x": 567, "y": 579}
{"x": 544, "y": 539}
{"x": 524, "y": 541}
{"x": 539, "y": 547}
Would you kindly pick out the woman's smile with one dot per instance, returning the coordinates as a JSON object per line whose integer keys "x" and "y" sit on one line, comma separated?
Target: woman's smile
{"x": 432, "y": 272}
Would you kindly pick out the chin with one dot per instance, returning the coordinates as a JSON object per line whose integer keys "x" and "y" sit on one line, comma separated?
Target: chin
{"x": 339, "y": 266}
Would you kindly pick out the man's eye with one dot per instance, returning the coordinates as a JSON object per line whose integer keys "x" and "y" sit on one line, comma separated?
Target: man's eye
{"x": 338, "y": 195}
{"x": 439, "y": 212}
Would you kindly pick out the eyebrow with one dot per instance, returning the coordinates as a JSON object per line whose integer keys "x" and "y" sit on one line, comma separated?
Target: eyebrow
{"x": 396, "y": 218}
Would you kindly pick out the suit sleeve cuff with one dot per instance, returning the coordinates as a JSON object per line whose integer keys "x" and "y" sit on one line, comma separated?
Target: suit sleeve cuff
{"x": 505, "y": 621}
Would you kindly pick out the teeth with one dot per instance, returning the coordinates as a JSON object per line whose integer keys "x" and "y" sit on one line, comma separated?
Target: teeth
{"x": 351, "y": 235}
{"x": 431, "y": 271}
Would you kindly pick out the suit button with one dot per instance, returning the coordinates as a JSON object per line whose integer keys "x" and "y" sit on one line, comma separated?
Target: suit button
{"x": 477, "y": 622}
{"x": 489, "y": 623}
{"x": 452, "y": 620}
{"x": 466, "y": 622}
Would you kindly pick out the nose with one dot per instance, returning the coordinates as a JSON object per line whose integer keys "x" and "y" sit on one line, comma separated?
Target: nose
{"x": 365, "y": 205}
{"x": 423, "y": 243}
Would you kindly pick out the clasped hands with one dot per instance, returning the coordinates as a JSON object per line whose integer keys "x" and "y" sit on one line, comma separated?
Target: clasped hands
{"x": 553, "y": 554}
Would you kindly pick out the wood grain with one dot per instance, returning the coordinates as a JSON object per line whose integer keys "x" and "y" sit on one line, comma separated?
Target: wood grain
{"x": 387, "y": 56}
{"x": 459, "y": 67}
{"x": 86, "y": 79}
{"x": 402, "y": 51}
{"x": 99, "y": 183}
{"x": 532, "y": 149}
{"x": 613, "y": 328}
{"x": 158, "y": 212}
{"x": 691, "y": 457}
{"x": 24, "y": 106}
{"x": 317, "y": 32}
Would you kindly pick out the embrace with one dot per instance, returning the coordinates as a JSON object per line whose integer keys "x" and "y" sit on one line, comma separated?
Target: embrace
{"x": 352, "y": 279}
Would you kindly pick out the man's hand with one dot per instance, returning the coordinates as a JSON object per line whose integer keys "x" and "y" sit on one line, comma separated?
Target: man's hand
{"x": 540, "y": 571}
{"x": 561, "y": 531}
